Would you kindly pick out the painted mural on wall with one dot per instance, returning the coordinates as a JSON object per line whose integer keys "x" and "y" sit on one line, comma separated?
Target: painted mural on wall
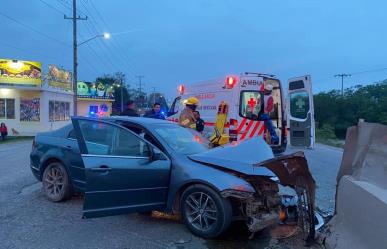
{"x": 29, "y": 109}
{"x": 17, "y": 72}
{"x": 94, "y": 90}
{"x": 58, "y": 111}
{"x": 59, "y": 78}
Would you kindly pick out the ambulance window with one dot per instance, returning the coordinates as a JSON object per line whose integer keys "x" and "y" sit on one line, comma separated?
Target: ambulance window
{"x": 299, "y": 104}
{"x": 250, "y": 104}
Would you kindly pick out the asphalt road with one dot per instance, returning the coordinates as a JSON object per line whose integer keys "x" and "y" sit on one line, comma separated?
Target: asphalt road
{"x": 29, "y": 220}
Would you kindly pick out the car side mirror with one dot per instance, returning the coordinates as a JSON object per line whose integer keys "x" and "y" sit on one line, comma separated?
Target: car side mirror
{"x": 156, "y": 154}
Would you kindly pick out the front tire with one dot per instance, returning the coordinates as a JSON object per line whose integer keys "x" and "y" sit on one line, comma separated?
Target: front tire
{"x": 205, "y": 212}
{"x": 56, "y": 184}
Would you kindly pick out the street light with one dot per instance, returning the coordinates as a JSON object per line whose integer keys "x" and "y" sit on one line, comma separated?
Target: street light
{"x": 75, "y": 76}
{"x": 105, "y": 35}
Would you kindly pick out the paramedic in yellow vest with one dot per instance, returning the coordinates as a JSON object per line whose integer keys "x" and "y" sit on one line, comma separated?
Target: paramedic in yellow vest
{"x": 187, "y": 118}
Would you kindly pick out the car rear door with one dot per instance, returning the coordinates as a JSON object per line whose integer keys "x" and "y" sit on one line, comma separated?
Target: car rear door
{"x": 120, "y": 176}
{"x": 301, "y": 112}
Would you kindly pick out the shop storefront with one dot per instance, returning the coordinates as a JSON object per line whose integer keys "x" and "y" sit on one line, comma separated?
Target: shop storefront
{"x": 29, "y": 104}
{"x": 94, "y": 99}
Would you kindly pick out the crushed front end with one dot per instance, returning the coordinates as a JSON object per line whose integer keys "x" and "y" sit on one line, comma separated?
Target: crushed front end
{"x": 267, "y": 207}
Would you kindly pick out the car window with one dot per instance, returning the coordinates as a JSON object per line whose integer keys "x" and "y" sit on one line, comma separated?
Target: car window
{"x": 72, "y": 135}
{"x": 182, "y": 140}
{"x": 107, "y": 139}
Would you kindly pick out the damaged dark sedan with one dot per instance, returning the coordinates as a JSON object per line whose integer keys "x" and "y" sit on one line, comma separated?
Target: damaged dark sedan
{"x": 127, "y": 164}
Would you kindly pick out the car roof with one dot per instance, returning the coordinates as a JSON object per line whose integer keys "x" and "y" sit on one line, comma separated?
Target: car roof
{"x": 139, "y": 120}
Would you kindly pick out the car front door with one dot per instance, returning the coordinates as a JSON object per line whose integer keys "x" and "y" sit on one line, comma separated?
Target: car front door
{"x": 121, "y": 174}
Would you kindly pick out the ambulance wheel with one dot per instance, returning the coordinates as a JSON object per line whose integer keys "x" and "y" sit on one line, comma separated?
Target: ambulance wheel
{"x": 205, "y": 212}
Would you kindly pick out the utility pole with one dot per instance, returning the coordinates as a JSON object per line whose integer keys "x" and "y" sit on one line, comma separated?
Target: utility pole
{"x": 75, "y": 47}
{"x": 342, "y": 81}
{"x": 140, "y": 86}
{"x": 121, "y": 76}
{"x": 154, "y": 94}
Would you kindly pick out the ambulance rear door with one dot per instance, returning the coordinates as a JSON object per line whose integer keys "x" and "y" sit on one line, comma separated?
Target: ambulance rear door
{"x": 300, "y": 110}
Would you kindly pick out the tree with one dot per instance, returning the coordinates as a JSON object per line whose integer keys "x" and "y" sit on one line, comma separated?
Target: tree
{"x": 116, "y": 81}
{"x": 340, "y": 112}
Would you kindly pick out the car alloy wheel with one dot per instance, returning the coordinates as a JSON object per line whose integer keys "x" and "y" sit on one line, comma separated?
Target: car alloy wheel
{"x": 56, "y": 183}
{"x": 204, "y": 211}
{"x": 201, "y": 211}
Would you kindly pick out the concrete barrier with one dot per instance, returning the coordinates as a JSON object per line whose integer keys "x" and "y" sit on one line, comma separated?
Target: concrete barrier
{"x": 360, "y": 219}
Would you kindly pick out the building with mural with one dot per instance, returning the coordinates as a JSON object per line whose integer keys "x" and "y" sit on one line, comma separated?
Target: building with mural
{"x": 94, "y": 99}
{"x": 32, "y": 102}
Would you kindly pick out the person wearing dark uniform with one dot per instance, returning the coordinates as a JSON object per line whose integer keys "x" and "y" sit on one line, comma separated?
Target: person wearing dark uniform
{"x": 130, "y": 110}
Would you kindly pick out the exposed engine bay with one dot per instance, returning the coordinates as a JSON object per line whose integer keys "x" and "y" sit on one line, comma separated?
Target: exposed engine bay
{"x": 268, "y": 207}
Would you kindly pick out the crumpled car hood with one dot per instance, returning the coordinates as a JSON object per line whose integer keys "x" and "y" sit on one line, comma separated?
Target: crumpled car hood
{"x": 241, "y": 156}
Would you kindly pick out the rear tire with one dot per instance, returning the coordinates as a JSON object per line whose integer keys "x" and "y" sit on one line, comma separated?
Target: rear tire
{"x": 56, "y": 183}
{"x": 205, "y": 212}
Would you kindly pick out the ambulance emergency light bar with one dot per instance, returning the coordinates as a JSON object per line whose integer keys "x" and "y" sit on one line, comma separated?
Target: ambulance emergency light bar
{"x": 261, "y": 74}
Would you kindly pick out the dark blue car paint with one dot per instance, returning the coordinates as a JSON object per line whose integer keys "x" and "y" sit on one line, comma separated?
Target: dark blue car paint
{"x": 183, "y": 172}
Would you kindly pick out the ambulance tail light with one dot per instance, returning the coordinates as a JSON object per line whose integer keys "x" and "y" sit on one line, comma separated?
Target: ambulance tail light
{"x": 231, "y": 81}
{"x": 234, "y": 123}
{"x": 181, "y": 89}
{"x": 232, "y": 132}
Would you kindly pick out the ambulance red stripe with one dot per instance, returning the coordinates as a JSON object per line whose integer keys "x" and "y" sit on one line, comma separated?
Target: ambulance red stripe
{"x": 254, "y": 129}
{"x": 247, "y": 130}
{"x": 261, "y": 130}
{"x": 241, "y": 125}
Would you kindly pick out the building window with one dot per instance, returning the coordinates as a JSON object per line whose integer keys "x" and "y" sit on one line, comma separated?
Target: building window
{"x": 7, "y": 108}
{"x": 93, "y": 111}
{"x": 30, "y": 110}
{"x": 58, "y": 111}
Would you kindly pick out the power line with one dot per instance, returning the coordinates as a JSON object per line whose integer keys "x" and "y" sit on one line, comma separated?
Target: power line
{"x": 97, "y": 28}
{"x": 68, "y": 6}
{"x": 52, "y": 7}
{"x": 33, "y": 29}
{"x": 121, "y": 54}
{"x": 370, "y": 71}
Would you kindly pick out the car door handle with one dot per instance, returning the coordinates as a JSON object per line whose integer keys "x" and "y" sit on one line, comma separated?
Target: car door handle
{"x": 102, "y": 168}
{"x": 67, "y": 147}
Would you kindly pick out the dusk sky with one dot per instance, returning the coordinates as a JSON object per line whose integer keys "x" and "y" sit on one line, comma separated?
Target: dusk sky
{"x": 173, "y": 42}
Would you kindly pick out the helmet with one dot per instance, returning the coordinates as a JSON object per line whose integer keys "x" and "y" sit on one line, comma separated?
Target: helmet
{"x": 268, "y": 87}
{"x": 192, "y": 101}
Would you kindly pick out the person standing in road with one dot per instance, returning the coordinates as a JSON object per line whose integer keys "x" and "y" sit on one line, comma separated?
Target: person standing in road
{"x": 155, "y": 112}
{"x": 187, "y": 118}
{"x": 268, "y": 108}
{"x": 130, "y": 109}
{"x": 3, "y": 131}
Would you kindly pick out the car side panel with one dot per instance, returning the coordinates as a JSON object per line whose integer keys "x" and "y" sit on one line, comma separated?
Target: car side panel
{"x": 186, "y": 171}
{"x": 64, "y": 150}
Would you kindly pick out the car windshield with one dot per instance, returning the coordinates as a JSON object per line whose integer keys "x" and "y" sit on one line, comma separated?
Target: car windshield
{"x": 182, "y": 140}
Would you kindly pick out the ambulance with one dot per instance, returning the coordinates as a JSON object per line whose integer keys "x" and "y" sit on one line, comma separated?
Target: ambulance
{"x": 245, "y": 98}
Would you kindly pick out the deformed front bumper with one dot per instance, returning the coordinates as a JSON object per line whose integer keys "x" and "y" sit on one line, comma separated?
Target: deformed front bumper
{"x": 266, "y": 206}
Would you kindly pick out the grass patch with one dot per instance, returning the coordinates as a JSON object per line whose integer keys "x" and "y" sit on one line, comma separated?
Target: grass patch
{"x": 326, "y": 135}
{"x": 331, "y": 142}
{"x": 14, "y": 139}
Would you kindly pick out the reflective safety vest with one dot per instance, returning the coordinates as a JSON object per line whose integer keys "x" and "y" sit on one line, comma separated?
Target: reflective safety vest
{"x": 187, "y": 118}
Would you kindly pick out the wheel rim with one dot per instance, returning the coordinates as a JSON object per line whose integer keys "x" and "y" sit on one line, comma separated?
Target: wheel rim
{"x": 53, "y": 182}
{"x": 201, "y": 211}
